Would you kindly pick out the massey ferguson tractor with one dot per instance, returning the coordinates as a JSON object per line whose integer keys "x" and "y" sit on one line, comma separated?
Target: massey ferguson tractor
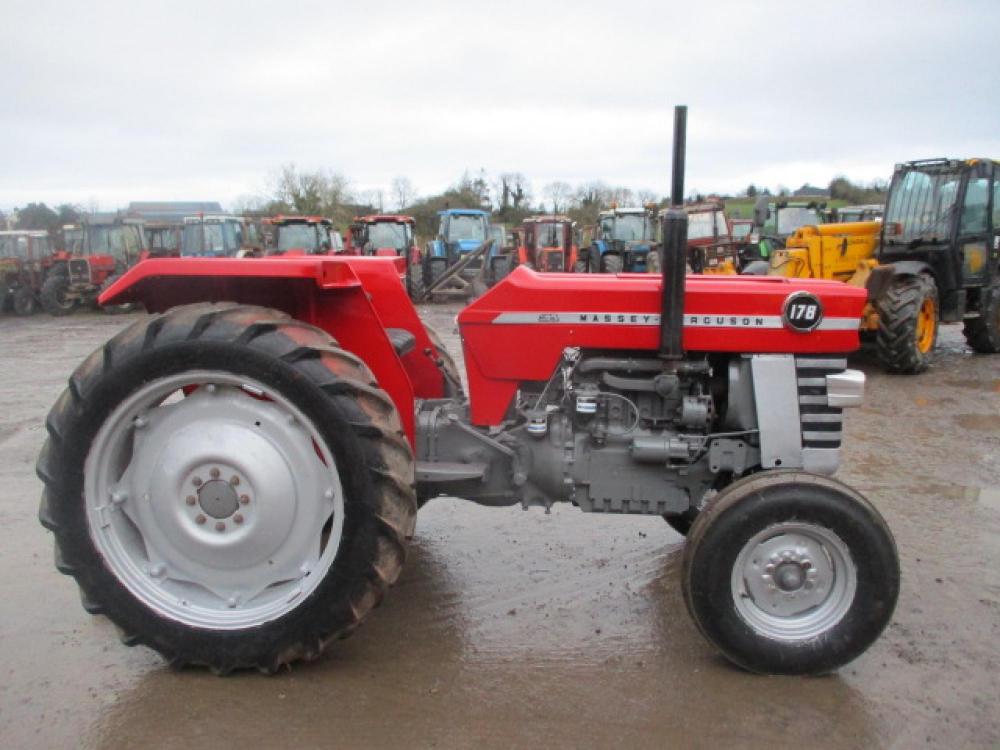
{"x": 299, "y": 235}
{"x": 548, "y": 243}
{"x": 935, "y": 258}
{"x": 390, "y": 235}
{"x": 97, "y": 252}
{"x": 711, "y": 248}
{"x": 233, "y": 480}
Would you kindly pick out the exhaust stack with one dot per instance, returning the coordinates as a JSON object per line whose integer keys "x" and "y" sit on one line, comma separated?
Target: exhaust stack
{"x": 673, "y": 261}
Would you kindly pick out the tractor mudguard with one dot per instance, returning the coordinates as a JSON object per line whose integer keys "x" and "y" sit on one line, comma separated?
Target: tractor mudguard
{"x": 356, "y": 299}
{"x": 881, "y": 275}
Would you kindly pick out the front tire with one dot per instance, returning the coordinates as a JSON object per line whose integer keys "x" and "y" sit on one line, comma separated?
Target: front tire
{"x": 907, "y": 324}
{"x": 983, "y": 333}
{"x": 415, "y": 282}
{"x": 122, "y": 309}
{"x": 790, "y": 573}
{"x": 24, "y": 301}
{"x": 611, "y": 263}
{"x": 54, "y": 295}
{"x": 310, "y": 493}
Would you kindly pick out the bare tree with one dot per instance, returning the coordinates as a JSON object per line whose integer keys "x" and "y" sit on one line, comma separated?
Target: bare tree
{"x": 647, "y": 196}
{"x": 403, "y": 192}
{"x": 559, "y": 193}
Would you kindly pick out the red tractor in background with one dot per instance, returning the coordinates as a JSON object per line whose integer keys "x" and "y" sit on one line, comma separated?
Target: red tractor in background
{"x": 97, "y": 251}
{"x": 298, "y": 235}
{"x": 547, "y": 243}
{"x": 22, "y": 257}
{"x": 389, "y": 235}
{"x": 234, "y": 479}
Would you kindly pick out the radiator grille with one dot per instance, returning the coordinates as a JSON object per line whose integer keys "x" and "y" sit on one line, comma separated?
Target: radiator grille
{"x": 821, "y": 425}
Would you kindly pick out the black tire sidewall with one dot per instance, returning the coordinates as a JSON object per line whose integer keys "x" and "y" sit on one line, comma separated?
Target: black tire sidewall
{"x": 326, "y": 609}
{"x": 708, "y": 572}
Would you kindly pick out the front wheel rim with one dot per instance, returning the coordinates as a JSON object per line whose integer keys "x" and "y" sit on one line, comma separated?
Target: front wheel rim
{"x": 793, "y": 581}
{"x": 926, "y": 321}
{"x": 214, "y": 500}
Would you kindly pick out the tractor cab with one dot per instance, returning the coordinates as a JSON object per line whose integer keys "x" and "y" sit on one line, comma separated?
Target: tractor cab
{"x": 213, "y": 236}
{"x": 711, "y": 247}
{"x": 548, "y": 243}
{"x": 851, "y": 214}
{"x": 300, "y": 235}
{"x": 623, "y": 239}
{"x": 383, "y": 234}
{"x": 944, "y": 215}
{"x": 163, "y": 239}
{"x": 777, "y": 220}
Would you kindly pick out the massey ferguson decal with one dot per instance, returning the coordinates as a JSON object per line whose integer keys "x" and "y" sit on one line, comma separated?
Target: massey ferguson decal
{"x": 808, "y": 318}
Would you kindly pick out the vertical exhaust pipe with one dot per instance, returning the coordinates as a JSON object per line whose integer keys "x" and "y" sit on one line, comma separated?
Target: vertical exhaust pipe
{"x": 674, "y": 257}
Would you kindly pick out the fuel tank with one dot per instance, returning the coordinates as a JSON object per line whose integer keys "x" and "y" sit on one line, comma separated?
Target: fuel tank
{"x": 517, "y": 331}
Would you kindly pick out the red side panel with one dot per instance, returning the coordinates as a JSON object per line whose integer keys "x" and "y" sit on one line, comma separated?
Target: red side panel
{"x": 518, "y": 330}
{"x": 354, "y": 299}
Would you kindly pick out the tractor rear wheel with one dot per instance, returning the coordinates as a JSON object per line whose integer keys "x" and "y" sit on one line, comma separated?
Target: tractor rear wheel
{"x": 54, "y": 295}
{"x": 228, "y": 487}
{"x": 24, "y": 301}
{"x": 415, "y": 282}
{"x": 581, "y": 266}
{"x": 611, "y": 263}
{"x": 908, "y": 323}
{"x": 983, "y": 333}
{"x": 790, "y": 573}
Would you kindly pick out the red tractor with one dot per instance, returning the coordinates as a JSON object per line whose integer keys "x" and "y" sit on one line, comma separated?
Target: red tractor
{"x": 233, "y": 480}
{"x": 22, "y": 255}
{"x": 389, "y": 235}
{"x": 299, "y": 235}
{"x": 547, "y": 243}
{"x": 97, "y": 251}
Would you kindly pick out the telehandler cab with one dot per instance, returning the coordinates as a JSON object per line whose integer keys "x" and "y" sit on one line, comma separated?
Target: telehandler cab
{"x": 233, "y": 480}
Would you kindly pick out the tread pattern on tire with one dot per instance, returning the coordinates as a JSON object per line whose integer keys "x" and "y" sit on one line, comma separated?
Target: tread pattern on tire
{"x": 342, "y": 378}
{"x": 983, "y": 333}
{"x": 898, "y": 311}
{"x": 54, "y": 285}
{"x": 611, "y": 263}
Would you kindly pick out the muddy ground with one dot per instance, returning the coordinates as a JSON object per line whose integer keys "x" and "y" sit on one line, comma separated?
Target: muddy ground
{"x": 520, "y": 629}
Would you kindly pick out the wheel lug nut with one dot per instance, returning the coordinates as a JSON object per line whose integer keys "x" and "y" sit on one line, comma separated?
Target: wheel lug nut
{"x": 234, "y": 480}
{"x": 119, "y": 497}
{"x": 238, "y": 518}
{"x": 214, "y": 473}
{"x": 245, "y": 499}
{"x": 196, "y": 481}
{"x": 190, "y": 500}
{"x": 200, "y": 519}
{"x": 220, "y": 526}
{"x": 140, "y": 422}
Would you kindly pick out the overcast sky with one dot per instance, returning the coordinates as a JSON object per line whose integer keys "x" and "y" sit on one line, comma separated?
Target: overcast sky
{"x": 106, "y": 102}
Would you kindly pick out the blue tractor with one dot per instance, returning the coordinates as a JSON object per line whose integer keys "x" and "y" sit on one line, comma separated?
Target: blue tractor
{"x": 623, "y": 240}
{"x": 465, "y": 239}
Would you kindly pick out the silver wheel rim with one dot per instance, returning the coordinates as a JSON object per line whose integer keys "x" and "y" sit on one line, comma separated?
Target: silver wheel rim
{"x": 793, "y": 581}
{"x": 214, "y": 500}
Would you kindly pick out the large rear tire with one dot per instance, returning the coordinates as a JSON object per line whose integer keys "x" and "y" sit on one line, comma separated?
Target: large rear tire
{"x": 908, "y": 324}
{"x": 983, "y": 333}
{"x": 24, "y": 301}
{"x": 611, "y": 263}
{"x": 790, "y": 573}
{"x": 54, "y": 295}
{"x": 415, "y": 282}
{"x": 228, "y": 487}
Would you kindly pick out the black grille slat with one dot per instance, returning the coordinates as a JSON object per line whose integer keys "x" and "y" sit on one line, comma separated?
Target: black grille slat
{"x": 821, "y": 422}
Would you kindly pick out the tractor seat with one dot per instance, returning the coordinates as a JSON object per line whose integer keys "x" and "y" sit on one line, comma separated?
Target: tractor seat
{"x": 402, "y": 340}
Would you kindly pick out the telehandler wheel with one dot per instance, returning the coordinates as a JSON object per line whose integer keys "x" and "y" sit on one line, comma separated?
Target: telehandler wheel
{"x": 983, "y": 333}
{"x": 228, "y": 487}
{"x": 53, "y": 295}
{"x": 24, "y": 301}
{"x": 907, "y": 323}
{"x": 116, "y": 309}
{"x": 790, "y": 573}
{"x": 611, "y": 263}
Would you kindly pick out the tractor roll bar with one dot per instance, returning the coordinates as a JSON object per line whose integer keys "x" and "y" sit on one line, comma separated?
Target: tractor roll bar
{"x": 673, "y": 260}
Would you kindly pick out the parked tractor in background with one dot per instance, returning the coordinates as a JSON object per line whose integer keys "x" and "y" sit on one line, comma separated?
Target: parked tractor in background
{"x": 23, "y": 254}
{"x": 163, "y": 239}
{"x": 298, "y": 235}
{"x": 97, "y": 251}
{"x": 219, "y": 236}
{"x": 622, "y": 242}
{"x": 710, "y": 245}
{"x": 390, "y": 235}
{"x": 547, "y": 243}
{"x": 935, "y": 258}
{"x": 777, "y": 218}
{"x": 465, "y": 258}
{"x": 853, "y": 214}
{"x": 234, "y": 484}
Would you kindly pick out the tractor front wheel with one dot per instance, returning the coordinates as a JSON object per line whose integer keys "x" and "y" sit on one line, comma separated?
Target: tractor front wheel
{"x": 983, "y": 333}
{"x": 227, "y": 486}
{"x": 611, "y": 263}
{"x": 415, "y": 282}
{"x": 908, "y": 323}
{"x": 54, "y": 295}
{"x": 790, "y": 573}
{"x": 126, "y": 307}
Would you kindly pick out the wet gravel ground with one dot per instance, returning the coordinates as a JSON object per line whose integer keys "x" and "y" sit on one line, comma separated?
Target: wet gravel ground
{"x": 520, "y": 629}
